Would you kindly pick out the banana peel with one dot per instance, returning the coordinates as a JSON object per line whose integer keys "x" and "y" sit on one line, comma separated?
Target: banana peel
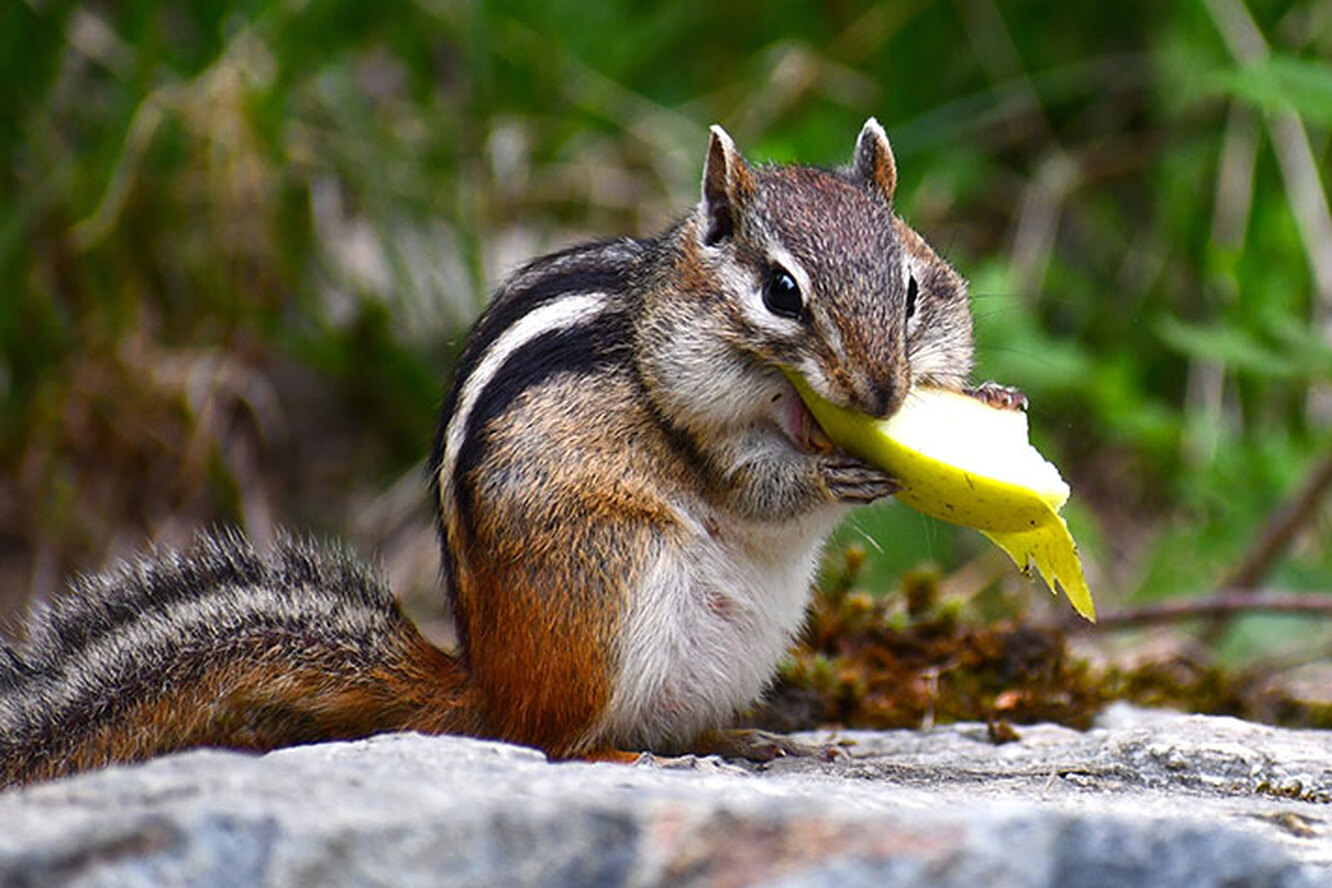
{"x": 961, "y": 460}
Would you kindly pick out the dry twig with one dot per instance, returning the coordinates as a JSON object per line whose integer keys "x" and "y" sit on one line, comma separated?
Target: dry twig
{"x": 1228, "y": 603}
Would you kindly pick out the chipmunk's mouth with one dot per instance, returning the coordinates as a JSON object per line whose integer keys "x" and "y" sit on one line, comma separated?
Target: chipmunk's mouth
{"x": 798, "y": 424}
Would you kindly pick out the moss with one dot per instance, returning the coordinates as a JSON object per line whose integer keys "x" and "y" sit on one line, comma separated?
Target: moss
{"x": 913, "y": 658}
{"x": 903, "y": 661}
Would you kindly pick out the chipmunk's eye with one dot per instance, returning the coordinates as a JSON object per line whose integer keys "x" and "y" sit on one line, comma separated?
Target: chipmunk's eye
{"x": 911, "y": 297}
{"x": 781, "y": 294}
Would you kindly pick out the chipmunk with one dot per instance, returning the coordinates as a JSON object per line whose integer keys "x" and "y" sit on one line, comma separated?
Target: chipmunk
{"x": 632, "y": 500}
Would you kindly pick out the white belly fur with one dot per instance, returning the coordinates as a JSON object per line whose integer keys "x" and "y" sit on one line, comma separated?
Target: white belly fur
{"x": 707, "y": 628}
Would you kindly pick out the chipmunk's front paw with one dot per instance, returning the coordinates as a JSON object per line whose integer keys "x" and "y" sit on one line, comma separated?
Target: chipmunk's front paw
{"x": 851, "y": 481}
{"x": 1005, "y": 397}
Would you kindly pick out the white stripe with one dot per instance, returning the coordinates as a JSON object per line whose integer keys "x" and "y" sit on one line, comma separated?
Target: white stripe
{"x": 217, "y": 614}
{"x": 561, "y": 314}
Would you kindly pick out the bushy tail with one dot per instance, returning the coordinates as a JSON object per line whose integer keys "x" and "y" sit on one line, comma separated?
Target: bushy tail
{"x": 219, "y": 645}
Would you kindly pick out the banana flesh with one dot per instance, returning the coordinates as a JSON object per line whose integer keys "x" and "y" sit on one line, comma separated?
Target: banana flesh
{"x": 961, "y": 460}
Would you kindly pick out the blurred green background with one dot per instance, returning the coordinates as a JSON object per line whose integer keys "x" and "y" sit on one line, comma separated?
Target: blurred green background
{"x": 240, "y": 244}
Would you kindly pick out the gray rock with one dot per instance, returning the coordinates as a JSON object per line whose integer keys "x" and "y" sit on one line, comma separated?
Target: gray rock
{"x": 1145, "y": 799}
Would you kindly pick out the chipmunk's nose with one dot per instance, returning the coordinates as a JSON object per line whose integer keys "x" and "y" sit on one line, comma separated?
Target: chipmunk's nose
{"x": 880, "y": 396}
{"x": 875, "y": 372}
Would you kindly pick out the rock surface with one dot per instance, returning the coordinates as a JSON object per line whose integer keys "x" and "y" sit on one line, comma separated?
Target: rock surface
{"x": 1144, "y": 799}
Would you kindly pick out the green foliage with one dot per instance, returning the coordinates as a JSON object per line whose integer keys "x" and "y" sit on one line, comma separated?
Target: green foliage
{"x": 1282, "y": 83}
{"x": 325, "y": 192}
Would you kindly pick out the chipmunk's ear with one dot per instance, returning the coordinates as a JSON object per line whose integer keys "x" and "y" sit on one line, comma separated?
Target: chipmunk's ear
{"x": 874, "y": 164}
{"x": 727, "y": 185}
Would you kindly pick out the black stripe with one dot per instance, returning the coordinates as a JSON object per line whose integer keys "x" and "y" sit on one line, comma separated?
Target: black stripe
{"x": 102, "y": 605}
{"x": 599, "y": 267}
{"x": 98, "y": 606}
{"x": 581, "y": 349}
{"x": 594, "y": 273}
{"x": 33, "y": 724}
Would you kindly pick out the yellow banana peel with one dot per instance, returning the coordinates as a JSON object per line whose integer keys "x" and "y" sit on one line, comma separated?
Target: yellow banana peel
{"x": 961, "y": 460}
